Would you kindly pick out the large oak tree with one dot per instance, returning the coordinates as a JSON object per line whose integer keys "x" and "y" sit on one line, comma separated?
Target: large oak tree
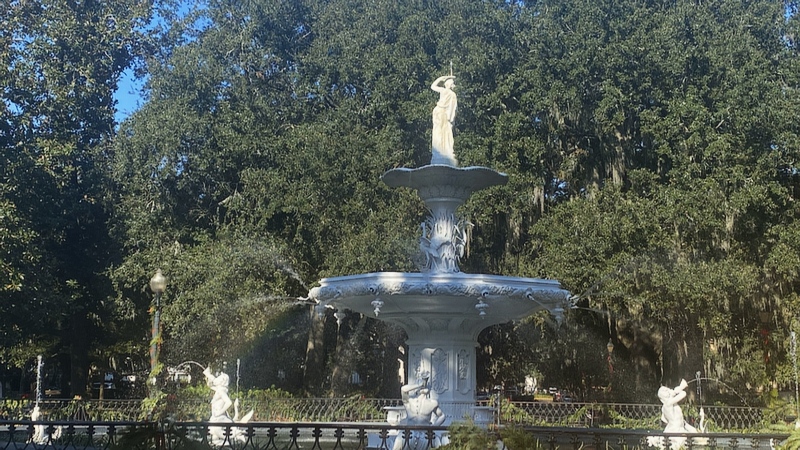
{"x": 59, "y": 66}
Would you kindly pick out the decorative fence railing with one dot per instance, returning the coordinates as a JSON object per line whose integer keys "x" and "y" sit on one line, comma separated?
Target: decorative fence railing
{"x": 628, "y": 415}
{"x": 73, "y": 410}
{"x": 353, "y": 409}
{"x": 592, "y": 415}
{"x": 343, "y": 436}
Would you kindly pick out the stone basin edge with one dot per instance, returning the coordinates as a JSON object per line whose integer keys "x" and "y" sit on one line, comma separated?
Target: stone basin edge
{"x": 473, "y": 286}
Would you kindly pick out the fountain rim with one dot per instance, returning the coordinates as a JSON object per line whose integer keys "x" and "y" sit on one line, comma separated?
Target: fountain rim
{"x": 389, "y": 283}
{"x": 473, "y": 178}
{"x": 443, "y": 277}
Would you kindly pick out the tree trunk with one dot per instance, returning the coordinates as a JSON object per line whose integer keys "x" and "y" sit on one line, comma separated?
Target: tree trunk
{"x": 344, "y": 360}
{"x": 79, "y": 354}
{"x": 314, "y": 368}
{"x": 683, "y": 354}
{"x": 618, "y": 163}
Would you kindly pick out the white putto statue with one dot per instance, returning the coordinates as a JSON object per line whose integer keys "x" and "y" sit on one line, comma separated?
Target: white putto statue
{"x": 220, "y": 403}
{"x": 444, "y": 113}
{"x": 40, "y": 434}
{"x": 672, "y": 415}
{"x": 420, "y": 410}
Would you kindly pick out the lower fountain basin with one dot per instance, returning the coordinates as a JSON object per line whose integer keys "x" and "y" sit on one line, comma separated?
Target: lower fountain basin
{"x": 455, "y": 301}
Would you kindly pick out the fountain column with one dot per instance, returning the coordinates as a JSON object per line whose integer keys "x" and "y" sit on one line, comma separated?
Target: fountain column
{"x": 451, "y": 365}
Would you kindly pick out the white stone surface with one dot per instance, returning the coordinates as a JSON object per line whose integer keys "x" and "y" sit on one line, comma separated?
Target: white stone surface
{"x": 443, "y": 189}
{"x": 220, "y": 404}
{"x": 672, "y": 415}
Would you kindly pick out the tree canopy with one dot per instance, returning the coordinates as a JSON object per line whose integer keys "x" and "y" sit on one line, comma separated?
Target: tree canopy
{"x": 651, "y": 148}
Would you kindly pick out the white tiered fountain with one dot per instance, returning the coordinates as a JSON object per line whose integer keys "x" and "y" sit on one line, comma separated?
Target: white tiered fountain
{"x": 442, "y": 309}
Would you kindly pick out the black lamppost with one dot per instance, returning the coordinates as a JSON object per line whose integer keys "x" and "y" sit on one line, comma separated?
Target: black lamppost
{"x": 158, "y": 284}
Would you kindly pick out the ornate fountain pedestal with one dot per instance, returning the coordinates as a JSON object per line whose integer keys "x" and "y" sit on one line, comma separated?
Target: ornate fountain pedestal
{"x": 441, "y": 309}
{"x": 442, "y": 314}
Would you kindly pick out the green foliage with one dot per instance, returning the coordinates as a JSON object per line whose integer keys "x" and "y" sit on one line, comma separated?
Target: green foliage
{"x": 674, "y": 190}
{"x": 13, "y": 409}
{"x": 793, "y": 442}
{"x": 515, "y": 438}
{"x": 609, "y": 418}
{"x": 153, "y": 407}
{"x": 510, "y": 413}
{"x": 468, "y": 436}
{"x": 155, "y": 437}
{"x": 778, "y": 412}
{"x": 651, "y": 149}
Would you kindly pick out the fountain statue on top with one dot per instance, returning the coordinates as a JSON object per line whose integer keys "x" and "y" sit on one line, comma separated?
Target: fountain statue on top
{"x": 444, "y": 236}
{"x": 220, "y": 403}
{"x": 444, "y": 113}
{"x": 442, "y": 309}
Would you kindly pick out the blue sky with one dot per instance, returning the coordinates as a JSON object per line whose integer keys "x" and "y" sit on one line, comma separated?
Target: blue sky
{"x": 128, "y": 96}
{"x": 129, "y": 90}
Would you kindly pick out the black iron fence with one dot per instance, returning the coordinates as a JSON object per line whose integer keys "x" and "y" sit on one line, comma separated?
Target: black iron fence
{"x": 356, "y": 409}
{"x": 353, "y": 409}
{"x": 627, "y": 415}
{"x": 73, "y": 410}
{"x": 343, "y": 436}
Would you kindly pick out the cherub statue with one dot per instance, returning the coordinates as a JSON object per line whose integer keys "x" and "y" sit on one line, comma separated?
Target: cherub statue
{"x": 672, "y": 415}
{"x": 220, "y": 403}
{"x": 420, "y": 410}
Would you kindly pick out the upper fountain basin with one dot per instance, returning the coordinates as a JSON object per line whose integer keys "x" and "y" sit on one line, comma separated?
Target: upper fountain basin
{"x": 438, "y": 180}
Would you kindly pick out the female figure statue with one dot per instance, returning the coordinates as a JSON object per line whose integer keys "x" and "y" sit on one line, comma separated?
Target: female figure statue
{"x": 443, "y": 115}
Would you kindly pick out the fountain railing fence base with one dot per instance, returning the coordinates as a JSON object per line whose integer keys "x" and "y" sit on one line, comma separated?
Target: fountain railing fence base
{"x": 356, "y": 409}
{"x": 355, "y": 436}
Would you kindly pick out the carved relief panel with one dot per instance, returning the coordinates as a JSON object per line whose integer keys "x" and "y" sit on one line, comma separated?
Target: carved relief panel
{"x": 415, "y": 365}
{"x": 463, "y": 372}
{"x": 439, "y": 372}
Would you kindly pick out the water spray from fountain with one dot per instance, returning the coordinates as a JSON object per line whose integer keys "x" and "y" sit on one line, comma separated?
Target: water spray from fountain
{"x": 698, "y": 379}
{"x": 186, "y": 363}
{"x": 796, "y": 391}
{"x": 699, "y": 388}
{"x": 40, "y": 434}
{"x": 39, "y": 367}
{"x": 287, "y": 268}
